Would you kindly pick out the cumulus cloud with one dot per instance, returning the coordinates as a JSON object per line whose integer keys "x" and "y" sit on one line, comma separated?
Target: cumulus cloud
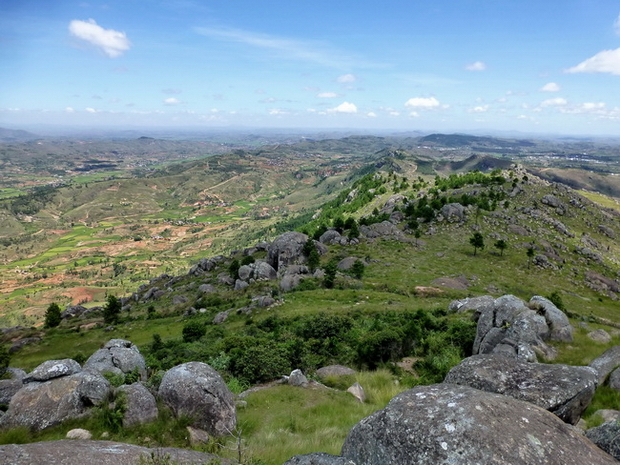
{"x": 479, "y": 109}
{"x": 550, "y": 87}
{"x": 371, "y": 114}
{"x": 607, "y": 61}
{"x": 476, "y": 66}
{"x": 344, "y": 107}
{"x": 171, "y": 101}
{"x": 327, "y": 95}
{"x": 422, "y": 102}
{"x": 112, "y": 43}
{"x": 554, "y": 102}
{"x": 346, "y": 78}
{"x": 91, "y": 110}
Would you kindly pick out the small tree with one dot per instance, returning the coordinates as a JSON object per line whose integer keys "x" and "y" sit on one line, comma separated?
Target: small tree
{"x": 501, "y": 245}
{"x": 233, "y": 268}
{"x": 330, "y": 274}
{"x": 112, "y": 310}
{"x": 5, "y": 358}
{"x": 531, "y": 251}
{"x": 52, "y": 316}
{"x": 477, "y": 241}
{"x": 357, "y": 270}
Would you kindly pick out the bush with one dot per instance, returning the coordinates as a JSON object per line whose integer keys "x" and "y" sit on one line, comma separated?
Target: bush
{"x": 5, "y": 358}
{"x": 264, "y": 361}
{"x": 193, "y": 330}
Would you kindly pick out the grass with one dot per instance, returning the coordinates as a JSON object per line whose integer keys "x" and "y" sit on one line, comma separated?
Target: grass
{"x": 284, "y": 421}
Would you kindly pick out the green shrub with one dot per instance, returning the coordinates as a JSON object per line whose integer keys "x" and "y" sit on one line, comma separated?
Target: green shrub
{"x": 193, "y": 330}
{"x": 260, "y": 363}
{"x": 5, "y": 359}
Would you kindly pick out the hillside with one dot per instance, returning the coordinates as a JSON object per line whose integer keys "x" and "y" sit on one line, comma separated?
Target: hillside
{"x": 393, "y": 248}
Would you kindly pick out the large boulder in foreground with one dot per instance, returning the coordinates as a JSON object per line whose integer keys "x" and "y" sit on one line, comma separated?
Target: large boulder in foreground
{"x": 196, "y": 390}
{"x": 318, "y": 458}
{"x": 140, "y": 404}
{"x": 80, "y": 452}
{"x": 459, "y": 425}
{"x": 119, "y": 357}
{"x": 39, "y": 405}
{"x": 564, "y": 390}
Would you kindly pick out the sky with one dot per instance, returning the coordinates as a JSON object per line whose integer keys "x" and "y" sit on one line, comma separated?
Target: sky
{"x": 477, "y": 65}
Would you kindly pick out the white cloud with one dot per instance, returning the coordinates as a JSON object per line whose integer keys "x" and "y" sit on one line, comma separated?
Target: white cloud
{"x": 476, "y": 66}
{"x": 371, "y": 114}
{"x": 346, "y": 78}
{"x": 327, "y": 95}
{"x": 308, "y": 51}
{"x": 414, "y": 114}
{"x": 550, "y": 87}
{"x": 607, "y": 61}
{"x": 112, "y": 43}
{"x": 171, "y": 101}
{"x": 554, "y": 102}
{"x": 422, "y": 102}
{"x": 479, "y": 109}
{"x": 70, "y": 110}
{"x": 277, "y": 112}
{"x": 344, "y": 107}
{"x": 91, "y": 110}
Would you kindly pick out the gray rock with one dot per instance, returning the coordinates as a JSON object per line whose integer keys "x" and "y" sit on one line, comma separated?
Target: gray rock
{"x": 140, "y": 405}
{"x": 453, "y": 212}
{"x": 608, "y": 414}
{"x": 72, "y": 312}
{"x": 79, "y": 433}
{"x": 476, "y": 304}
{"x": 552, "y": 201}
{"x": 347, "y": 263}
{"x": 206, "y": 288}
{"x": 220, "y": 317}
{"x": 118, "y": 356}
{"x": 385, "y": 229}
{"x": 510, "y": 322}
{"x": 297, "y": 378}
{"x": 197, "y": 436}
{"x": 330, "y": 236}
{"x": 79, "y": 452}
{"x": 607, "y": 437}
{"x": 564, "y": 390}
{"x": 458, "y": 425}
{"x": 614, "y": 379}
{"x": 179, "y": 299}
{"x": 357, "y": 391}
{"x": 39, "y": 405}
{"x": 318, "y": 458}
{"x": 290, "y": 282}
{"x": 245, "y": 272}
{"x": 263, "y": 271}
{"x": 560, "y": 328}
{"x": 196, "y": 390}
{"x": 600, "y": 335}
{"x": 240, "y": 285}
{"x": 334, "y": 371}
{"x": 286, "y": 249}
{"x": 53, "y": 369}
{"x": 606, "y": 363}
{"x": 8, "y": 388}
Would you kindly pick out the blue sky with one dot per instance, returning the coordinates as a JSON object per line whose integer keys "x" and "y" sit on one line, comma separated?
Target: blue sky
{"x": 530, "y": 66}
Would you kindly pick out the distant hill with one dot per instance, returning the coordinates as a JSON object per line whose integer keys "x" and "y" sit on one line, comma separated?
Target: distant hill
{"x": 16, "y": 135}
{"x": 460, "y": 140}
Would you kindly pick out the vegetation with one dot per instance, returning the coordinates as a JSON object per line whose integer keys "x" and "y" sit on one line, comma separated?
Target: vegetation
{"x": 52, "y": 316}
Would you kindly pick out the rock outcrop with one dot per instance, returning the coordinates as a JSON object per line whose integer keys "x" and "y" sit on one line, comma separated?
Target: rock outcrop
{"x": 196, "y": 390}
{"x": 564, "y": 390}
{"x": 39, "y": 405}
{"x": 453, "y": 424}
{"x": 510, "y": 327}
{"x": 118, "y": 357}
